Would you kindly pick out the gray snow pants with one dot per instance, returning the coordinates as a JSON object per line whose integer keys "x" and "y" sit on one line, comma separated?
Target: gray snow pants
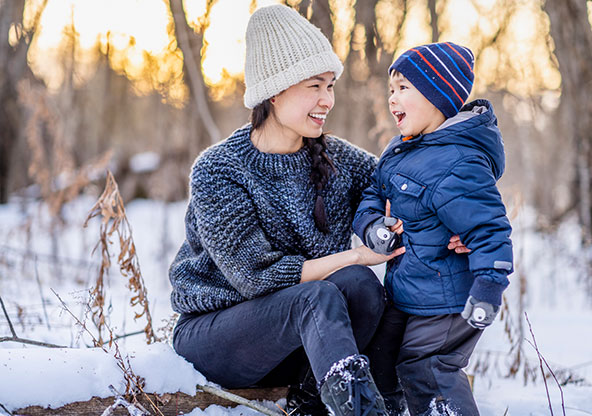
{"x": 434, "y": 351}
{"x": 274, "y": 339}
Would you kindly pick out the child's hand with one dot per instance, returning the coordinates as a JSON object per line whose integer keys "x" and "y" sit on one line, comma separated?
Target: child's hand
{"x": 379, "y": 237}
{"x": 457, "y": 245}
{"x": 369, "y": 258}
{"x": 479, "y": 314}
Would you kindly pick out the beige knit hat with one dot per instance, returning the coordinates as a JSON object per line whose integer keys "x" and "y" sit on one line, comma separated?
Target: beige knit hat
{"x": 283, "y": 48}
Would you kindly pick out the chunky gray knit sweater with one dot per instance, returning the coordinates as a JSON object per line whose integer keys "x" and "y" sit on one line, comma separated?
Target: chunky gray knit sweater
{"x": 249, "y": 224}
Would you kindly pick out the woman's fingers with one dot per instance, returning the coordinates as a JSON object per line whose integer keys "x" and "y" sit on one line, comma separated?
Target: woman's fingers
{"x": 398, "y": 227}
{"x": 398, "y": 252}
{"x": 457, "y": 245}
{"x": 387, "y": 208}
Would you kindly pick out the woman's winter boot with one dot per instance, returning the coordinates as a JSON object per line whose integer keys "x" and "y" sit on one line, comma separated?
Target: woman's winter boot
{"x": 304, "y": 399}
{"x": 349, "y": 390}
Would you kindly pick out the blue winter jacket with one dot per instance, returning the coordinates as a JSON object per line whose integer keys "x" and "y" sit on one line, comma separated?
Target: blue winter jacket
{"x": 441, "y": 184}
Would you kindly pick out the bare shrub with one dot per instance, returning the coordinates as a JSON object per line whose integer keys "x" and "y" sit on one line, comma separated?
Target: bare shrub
{"x": 114, "y": 222}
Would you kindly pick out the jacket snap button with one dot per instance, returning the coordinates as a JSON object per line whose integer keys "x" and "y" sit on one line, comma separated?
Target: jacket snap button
{"x": 383, "y": 187}
{"x": 404, "y": 186}
{"x": 397, "y": 150}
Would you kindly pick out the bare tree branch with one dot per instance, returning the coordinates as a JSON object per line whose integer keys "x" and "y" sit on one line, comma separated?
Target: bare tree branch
{"x": 16, "y": 338}
{"x": 5, "y": 409}
{"x": 238, "y": 399}
{"x": 541, "y": 361}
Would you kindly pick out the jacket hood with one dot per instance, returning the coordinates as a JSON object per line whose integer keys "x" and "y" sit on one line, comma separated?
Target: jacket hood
{"x": 475, "y": 126}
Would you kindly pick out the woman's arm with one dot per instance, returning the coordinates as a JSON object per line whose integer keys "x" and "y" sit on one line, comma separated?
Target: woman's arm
{"x": 319, "y": 269}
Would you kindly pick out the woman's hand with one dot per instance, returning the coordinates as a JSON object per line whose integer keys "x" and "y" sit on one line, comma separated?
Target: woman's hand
{"x": 398, "y": 227}
{"x": 457, "y": 245}
{"x": 367, "y": 257}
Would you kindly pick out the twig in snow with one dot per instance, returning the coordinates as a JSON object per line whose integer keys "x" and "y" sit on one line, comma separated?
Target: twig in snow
{"x": 541, "y": 361}
{"x": 132, "y": 409}
{"x": 238, "y": 399}
{"x": 12, "y": 331}
{"x": 115, "y": 338}
{"x": 578, "y": 410}
{"x": 128, "y": 374}
{"x": 41, "y": 292}
{"x": 48, "y": 258}
{"x": 5, "y": 409}
{"x": 16, "y": 338}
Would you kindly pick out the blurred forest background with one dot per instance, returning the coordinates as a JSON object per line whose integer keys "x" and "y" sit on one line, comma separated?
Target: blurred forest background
{"x": 141, "y": 87}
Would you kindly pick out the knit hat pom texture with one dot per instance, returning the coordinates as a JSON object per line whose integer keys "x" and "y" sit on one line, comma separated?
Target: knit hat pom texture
{"x": 442, "y": 72}
{"x": 283, "y": 49}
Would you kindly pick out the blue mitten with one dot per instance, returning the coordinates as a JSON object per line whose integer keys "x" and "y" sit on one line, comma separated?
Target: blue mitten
{"x": 379, "y": 238}
{"x": 479, "y": 314}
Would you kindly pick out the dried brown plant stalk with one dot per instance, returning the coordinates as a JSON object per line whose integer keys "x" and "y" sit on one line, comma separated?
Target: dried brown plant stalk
{"x": 114, "y": 221}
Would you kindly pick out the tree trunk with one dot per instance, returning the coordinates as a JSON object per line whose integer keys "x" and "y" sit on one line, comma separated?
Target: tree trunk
{"x": 572, "y": 35}
{"x": 190, "y": 44}
{"x": 13, "y": 68}
{"x": 320, "y": 16}
{"x": 434, "y": 20}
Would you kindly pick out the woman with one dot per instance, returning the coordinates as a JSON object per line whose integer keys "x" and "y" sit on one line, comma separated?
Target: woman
{"x": 266, "y": 281}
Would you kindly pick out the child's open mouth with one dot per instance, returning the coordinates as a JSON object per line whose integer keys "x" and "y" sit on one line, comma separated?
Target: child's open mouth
{"x": 399, "y": 115}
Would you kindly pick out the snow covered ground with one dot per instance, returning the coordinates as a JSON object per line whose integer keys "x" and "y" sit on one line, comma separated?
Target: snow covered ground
{"x": 36, "y": 260}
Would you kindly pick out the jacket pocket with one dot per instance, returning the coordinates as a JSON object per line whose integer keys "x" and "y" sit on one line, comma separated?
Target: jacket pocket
{"x": 405, "y": 195}
{"x": 413, "y": 284}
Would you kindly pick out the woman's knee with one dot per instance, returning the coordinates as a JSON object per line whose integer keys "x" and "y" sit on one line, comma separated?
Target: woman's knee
{"x": 319, "y": 291}
{"x": 358, "y": 282}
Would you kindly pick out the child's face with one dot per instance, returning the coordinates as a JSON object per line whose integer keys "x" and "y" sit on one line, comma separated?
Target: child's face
{"x": 412, "y": 112}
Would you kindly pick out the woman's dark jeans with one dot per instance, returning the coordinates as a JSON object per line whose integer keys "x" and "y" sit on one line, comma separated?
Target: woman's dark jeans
{"x": 272, "y": 339}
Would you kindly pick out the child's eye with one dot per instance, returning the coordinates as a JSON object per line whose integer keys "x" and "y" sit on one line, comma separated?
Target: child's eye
{"x": 330, "y": 86}
{"x": 314, "y": 86}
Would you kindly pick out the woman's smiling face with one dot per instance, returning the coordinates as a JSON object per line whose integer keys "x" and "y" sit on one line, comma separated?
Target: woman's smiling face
{"x": 301, "y": 110}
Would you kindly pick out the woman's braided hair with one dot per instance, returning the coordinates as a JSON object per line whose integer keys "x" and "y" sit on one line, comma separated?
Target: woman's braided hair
{"x": 322, "y": 166}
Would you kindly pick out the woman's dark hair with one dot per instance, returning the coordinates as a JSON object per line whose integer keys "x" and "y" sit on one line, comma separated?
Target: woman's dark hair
{"x": 322, "y": 166}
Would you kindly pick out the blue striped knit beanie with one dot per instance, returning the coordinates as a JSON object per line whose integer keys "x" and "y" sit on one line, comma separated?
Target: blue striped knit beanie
{"x": 442, "y": 72}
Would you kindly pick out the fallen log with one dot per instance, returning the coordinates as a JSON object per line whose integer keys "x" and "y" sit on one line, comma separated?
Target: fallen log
{"x": 169, "y": 404}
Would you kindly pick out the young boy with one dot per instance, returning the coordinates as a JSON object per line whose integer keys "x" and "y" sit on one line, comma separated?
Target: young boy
{"x": 440, "y": 177}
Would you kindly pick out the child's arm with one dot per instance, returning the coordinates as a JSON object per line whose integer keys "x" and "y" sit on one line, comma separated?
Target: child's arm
{"x": 467, "y": 201}
{"x": 370, "y": 209}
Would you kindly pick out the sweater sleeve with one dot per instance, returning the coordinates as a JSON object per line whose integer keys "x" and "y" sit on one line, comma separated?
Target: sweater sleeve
{"x": 362, "y": 169}
{"x": 468, "y": 202}
{"x": 222, "y": 219}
